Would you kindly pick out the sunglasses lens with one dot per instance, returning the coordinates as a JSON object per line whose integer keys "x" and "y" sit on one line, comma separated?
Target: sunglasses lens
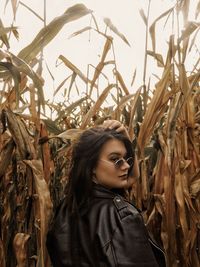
{"x": 130, "y": 161}
{"x": 119, "y": 163}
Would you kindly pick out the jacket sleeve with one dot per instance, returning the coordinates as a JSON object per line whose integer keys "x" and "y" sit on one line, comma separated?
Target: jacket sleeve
{"x": 130, "y": 239}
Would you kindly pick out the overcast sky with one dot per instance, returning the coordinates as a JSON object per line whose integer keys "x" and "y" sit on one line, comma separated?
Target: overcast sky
{"x": 85, "y": 48}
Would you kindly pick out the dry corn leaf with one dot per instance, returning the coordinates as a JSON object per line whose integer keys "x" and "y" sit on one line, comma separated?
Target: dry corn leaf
{"x": 184, "y": 49}
{"x": 158, "y": 58}
{"x": 98, "y": 71}
{"x": 144, "y": 183}
{"x": 174, "y": 111}
{"x": 26, "y": 69}
{"x": 32, "y": 11}
{"x": 5, "y": 30}
{"x": 72, "y": 81}
{"x": 16, "y": 78}
{"x": 2, "y": 255}
{"x": 110, "y": 25}
{"x": 106, "y": 48}
{"x": 74, "y": 69}
{"x": 121, "y": 82}
{"x": 192, "y": 42}
{"x": 158, "y": 172}
{"x": 43, "y": 202}
{"x": 46, "y": 155}
{"x": 16, "y": 34}
{"x": 195, "y": 188}
{"x": 187, "y": 195}
{"x": 3, "y": 35}
{"x": 160, "y": 210}
{"x": 180, "y": 200}
{"x": 20, "y": 136}
{"x": 52, "y": 127}
{"x": 190, "y": 113}
{"x": 171, "y": 51}
{"x": 33, "y": 104}
{"x": 155, "y": 110}
{"x": 51, "y": 30}
{"x": 160, "y": 207}
{"x": 189, "y": 29}
{"x": 71, "y": 134}
{"x": 123, "y": 102}
{"x": 194, "y": 257}
{"x": 171, "y": 246}
{"x": 197, "y": 11}
{"x": 20, "y": 248}
{"x": 6, "y": 156}
{"x": 95, "y": 108}
{"x": 153, "y": 25}
{"x": 184, "y": 8}
{"x": 133, "y": 107}
{"x": 88, "y": 28}
{"x": 60, "y": 86}
{"x": 134, "y": 75}
{"x": 3, "y": 54}
{"x": 143, "y": 16}
{"x": 70, "y": 108}
{"x": 184, "y": 83}
{"x": 100, "y": 66}
{"x": 14, "y": 6}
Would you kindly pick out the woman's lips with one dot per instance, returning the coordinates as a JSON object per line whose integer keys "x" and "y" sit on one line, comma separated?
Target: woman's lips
{"x": 124, "y": 176}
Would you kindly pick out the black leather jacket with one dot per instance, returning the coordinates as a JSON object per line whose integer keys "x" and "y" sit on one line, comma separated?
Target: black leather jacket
{"x": 111, "y": 233}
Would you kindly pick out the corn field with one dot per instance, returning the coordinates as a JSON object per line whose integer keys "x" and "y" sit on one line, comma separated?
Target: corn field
{"x": 163, "y": 120}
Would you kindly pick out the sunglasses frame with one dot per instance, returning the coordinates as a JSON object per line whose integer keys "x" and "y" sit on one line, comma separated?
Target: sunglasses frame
{"x": 119, "y": 162}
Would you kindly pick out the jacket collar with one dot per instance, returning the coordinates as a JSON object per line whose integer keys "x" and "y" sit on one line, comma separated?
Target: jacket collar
{"x": 101, "y": 191}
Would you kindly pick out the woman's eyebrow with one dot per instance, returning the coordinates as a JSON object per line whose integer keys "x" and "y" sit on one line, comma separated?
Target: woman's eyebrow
{"x": 117, "y": 154}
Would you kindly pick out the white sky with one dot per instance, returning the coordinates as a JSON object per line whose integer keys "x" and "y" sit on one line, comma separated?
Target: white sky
{"x": 124, "y": 14}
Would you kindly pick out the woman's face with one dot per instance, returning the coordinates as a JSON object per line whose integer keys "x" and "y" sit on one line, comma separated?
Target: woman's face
{"x": 106, "y": 172}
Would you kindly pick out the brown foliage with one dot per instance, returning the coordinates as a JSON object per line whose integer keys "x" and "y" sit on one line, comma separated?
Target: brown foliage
{"x": 35, "y": 150}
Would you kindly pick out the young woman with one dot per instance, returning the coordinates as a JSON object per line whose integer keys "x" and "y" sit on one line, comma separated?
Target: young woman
{"x": 95, "y": 225}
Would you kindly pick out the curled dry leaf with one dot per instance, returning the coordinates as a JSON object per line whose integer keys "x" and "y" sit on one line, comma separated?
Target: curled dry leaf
{"x": 195, "y": 188}
{"x": 189, "y": 29}
{"x": 95, "y": 108}
{"x": 101, "y": 64}
{"x": 2, "y": 255}
{"x": 44, "y": 204}
{"x": 6, "y": 156}
{"x": 142, "y": 14}
{"x": 155, "y": 110}
{"x": 74, "y": 68}
{"x": 20, "y": 248}
{"x": 71, "y": 134}
{"x": 47, "y": 162}
{"x": 110, "y": 25}
{"x": 51, "y": 30}
{"x": 158, "y": 58}
{"x": 20, "y": 135}
{"x": 153, "y": 26}
{"x": 3, "y": 35}
{"x": 121, "y": 82}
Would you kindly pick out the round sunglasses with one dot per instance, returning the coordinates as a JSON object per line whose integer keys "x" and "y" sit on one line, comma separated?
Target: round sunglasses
{"x": 119, "y": 162}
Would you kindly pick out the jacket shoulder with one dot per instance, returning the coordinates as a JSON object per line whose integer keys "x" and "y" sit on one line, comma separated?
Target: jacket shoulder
{"x": 112, "y": 210}
{"x": 123, "y": 207}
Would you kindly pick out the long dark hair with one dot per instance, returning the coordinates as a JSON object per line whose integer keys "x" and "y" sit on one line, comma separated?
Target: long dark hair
{"x": 85, "y": 156}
